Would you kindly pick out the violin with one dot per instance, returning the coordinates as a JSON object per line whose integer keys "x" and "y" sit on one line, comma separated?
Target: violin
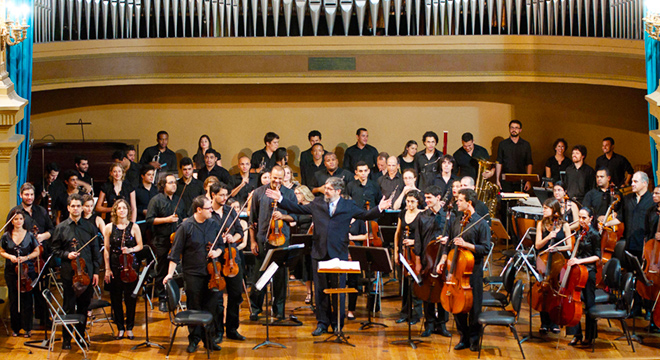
{"x": 215, "y": 270}
{"x": 612, "y": 232}
{"x": 127, "y": 273}
{"x": 275, "y": 234}
{"x": 411, "y": 258}
{"x": 373, "y": 231}
{"x": 80, "y": 277}
{"x": 432, "y": 282}
{"x": 550, "y": 266}
{"x": 39, "y": 261}
{"x": 565, "y": 304}
{"x": 230, "y": 267}
{"x": 22, "y": 270}
{"x": 456, "y": 296}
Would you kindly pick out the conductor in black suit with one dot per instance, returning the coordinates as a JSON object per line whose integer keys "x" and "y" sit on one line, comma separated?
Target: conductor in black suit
{"x": 332, "y": 216}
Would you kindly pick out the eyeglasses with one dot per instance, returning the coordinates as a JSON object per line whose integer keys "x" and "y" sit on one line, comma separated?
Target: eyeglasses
{"x": 208, "y": 208}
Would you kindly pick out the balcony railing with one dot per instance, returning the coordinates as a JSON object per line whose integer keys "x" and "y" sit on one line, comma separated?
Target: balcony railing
{"x": 64, "y": 20}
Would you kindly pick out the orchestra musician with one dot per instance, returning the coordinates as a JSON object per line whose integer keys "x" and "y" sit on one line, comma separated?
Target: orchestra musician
{"x": 211, "y": 158}
{"x": 633, "y": 213}
{"x": 360, "y": 151}
{"x": 580, "y": 177}
{"x": 363, "y": 189}
{"x": 588, "y": 254}
{"x": 332, "y": 169}
{"x": 203, "y": 144}
{"x": 514, "y": 155}
{"x": 311, "y": 162}
{"x": 407, "y": 157}
{"x": 263, "y": 214}
{"x": 18, "y": 243}
{"x": 193, "y": 187}
{"x": 332, "y": 217}
{"x": 160, "y": 154}
{"x": 190, "y": 248}
{"x": 121, "y": 237}
{"x": 430, "y": 226}
{"x": 426, "y": 163}
{"x": 550, "y": 229}
{"x": 569, "y": 209}
{"x": 49, "y": 189}
{"x": 409, "y": 177}
{"x": 304, "y": 223}
{"x": 557, "y": 163}
{"x": 599, "y": 199}
{"x": 224, "y": 215}
{"x": 446, "y": 177}
{"x": 264, "y": 159}
{"x": 619, "y": 167}
{"x": 652, "y": 234}
{"x": 70, "y": 180}
{"x": 114, "y": 189}
{"x": 391, "y": 184}
{"x": 244, "y": 181}
{"x": 406, "y": 230}
{"x": 467, "y": 158}
{"x": 476, "y": 240}
{"x": 77, "y": 296}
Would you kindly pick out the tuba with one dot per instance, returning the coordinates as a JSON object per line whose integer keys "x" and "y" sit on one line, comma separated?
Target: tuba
{"x": 486, "y": 190}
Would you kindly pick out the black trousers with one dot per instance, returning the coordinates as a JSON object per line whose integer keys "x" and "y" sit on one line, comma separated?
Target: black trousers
{"x": 326, "y": 306}
{"x": 467, "y": 324}
{"x": 353, "y": 282}
{"x": 161, "y": 248}
{"x": 234, "y": 299}
{"x": 120, "y": 290}
{"x": 435, "y": 315}
{"x": 73, "y": 304}
{"x": 22, "y": 320}
{"x": 417, "y": 312}
{"x": 589, "y": 298}
{"x": 200, "y": 297}
{"x": 280, "y": 282}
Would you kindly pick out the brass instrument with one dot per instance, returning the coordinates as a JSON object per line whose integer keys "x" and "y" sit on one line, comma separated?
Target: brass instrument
{"x": 486, "y": 190}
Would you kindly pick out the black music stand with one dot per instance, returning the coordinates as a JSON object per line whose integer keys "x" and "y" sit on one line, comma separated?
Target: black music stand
{"x": 371, "y": 259}
{"x": 522, "y": 178}
{"x": 275, "y": 258}
{"x": 538, "y": 278}
{"x": 286, "y": 257}
{"x": 41, "y": 344}
{"x": 306, "y": 240}
{"x": 411, "y": 276}
{"x": 141, "y": 284}
{"x": 638, "y": 273}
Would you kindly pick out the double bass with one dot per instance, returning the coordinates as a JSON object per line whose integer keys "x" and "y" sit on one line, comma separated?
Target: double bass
{"x": 456, "y": 295}
{"x": 127, "y": 273}
{"x": 612, "y": 230}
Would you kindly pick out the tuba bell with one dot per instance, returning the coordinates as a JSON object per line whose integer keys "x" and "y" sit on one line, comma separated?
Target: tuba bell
{"x": 487, "y": 191}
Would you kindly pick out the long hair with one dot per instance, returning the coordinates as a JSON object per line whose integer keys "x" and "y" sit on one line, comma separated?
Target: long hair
{"x": 199, "y": 147}
{"x": 113, "y": 212}
{"x": 553, "y": 204}
{"x": 408, "y": 144}
{"x": 10, "y": 225}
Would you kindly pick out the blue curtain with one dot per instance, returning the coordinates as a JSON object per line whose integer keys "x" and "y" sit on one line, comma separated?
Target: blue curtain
{"x": 19, "y": 66}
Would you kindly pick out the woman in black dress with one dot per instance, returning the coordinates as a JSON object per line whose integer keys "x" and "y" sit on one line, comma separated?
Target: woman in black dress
{"x": 557, "y": 162}
{"x": 114, "y": 189}
{"x": 17, "y": 243}
{"x": 406, "y": 229}
{"x": 120, "y": 237}
{"x": 407, "y": 157}
{"x": 203, "y": 144}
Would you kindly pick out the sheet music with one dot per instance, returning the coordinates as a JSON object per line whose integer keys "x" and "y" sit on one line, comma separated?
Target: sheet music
{"x": 265, "y": 278}
{"x": 336, "y": 264}
{"x": 403, "y": 261}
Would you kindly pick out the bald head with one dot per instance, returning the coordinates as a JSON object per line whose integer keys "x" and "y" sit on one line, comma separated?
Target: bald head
{"x": 392, "y": 166}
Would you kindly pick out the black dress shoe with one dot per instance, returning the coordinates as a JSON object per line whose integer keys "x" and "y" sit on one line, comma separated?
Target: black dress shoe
{"x": 461, "y": 345}
{"x": 254, "y": 316}
{"x": 234, "y": 335}
{"x": 218, "y": 339}
{"x": 427, "y": 332}
{"x": 214, "y": 347}
{"x": 586, "y": 342}
{"x": 319, "y": 331}
{"x": 162, "y": 306}
{"x": 192, "y": 347}
{"x": 414, "y": 321}
{"x": 442, "y": 330}
{"x": 66, "y": 346}
{"x": 576, "y": 340}
{"x": 474, "y": 346}
{"x": 401, "y": 320}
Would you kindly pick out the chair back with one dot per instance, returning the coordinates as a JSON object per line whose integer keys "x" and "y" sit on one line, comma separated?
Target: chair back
{"x": 509, "y": 277}
{"x": 620, "y": 250}
{"x": 612, "y": 271}
{"x": 517, "y": 296}
{"x": 628, "y": 291}
{"x": 173, "y": 295}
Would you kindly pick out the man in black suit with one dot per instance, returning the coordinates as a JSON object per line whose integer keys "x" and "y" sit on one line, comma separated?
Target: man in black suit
{"x": 332, "y": 219}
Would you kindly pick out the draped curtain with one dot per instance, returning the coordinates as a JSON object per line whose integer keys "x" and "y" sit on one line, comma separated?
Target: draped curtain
{"x": 19, "y": 66}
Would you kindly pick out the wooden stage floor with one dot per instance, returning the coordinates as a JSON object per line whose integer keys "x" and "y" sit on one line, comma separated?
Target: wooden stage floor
{"x": 375, "y": 342}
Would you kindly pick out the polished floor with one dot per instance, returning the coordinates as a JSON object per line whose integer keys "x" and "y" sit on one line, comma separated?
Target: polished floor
{"x": 498, "y": 343}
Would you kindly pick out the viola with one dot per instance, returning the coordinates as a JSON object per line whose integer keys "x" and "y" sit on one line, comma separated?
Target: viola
{"x": 22, "y": 269}
{"x": 456, "y": 296}
{"x": 127, "y": 273}
{"x": 79, "y": 267}
{"x": 215, "y": 270}
{"x": 411, "y": 258}
{"x": 230, "y": 267}
{"x": 275, "y": 234}
{"x": 549, "y": 265}
{"x": 565, "y": 305}
{"x": 39, "y": 261}
{"x": 373, "y": 231}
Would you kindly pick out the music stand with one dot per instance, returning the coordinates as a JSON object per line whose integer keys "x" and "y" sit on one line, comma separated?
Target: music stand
{"x": 538, "y": 278}
{"x": 523, "y": 178}
{"x": 638, "y": 272}
{"x": 371, "y": 259}
{"x": 141, "y": 285}
{"x": 41, "y": 344}
{"x": 285, "y": 257}
{"x": 307, "y": 241}
{"x": 411, "y": 276}
{"x": 338, "y": 335}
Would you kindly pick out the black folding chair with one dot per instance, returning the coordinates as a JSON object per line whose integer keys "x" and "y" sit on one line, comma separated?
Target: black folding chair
{"x": 504, "y": 317}
{"x": 67, "y": 321}
{"x": 619, "y": 310}
{"x": 98, "y": 303}
{"x": 496, "y": 298}
{"x": 186, "y": 317}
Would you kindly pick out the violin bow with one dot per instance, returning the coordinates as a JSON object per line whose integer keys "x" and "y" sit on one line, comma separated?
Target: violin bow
{"x": 232, "y": 223}
{"x": 180, "y": 196}
{"x": 466, "y": 229}
{"x": 557, "y": 243}
{"x": 7, "y": 223}
{"x": 87, "y": 243}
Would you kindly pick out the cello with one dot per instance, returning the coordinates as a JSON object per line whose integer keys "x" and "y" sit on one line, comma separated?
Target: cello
{"x": 456, "y": 295}
{"x": 127, "y": 273}
{"x": 565, "y": 304}
{"x": 549, "y": 264}
{"x": 612, "y": 230}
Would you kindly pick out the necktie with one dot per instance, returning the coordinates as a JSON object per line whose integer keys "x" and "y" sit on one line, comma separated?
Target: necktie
{"x": 332, "y": 208}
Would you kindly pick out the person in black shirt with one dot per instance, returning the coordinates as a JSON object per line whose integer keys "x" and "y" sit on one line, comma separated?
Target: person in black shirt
{"x": 557, "y": 163}
{"x": 477, "y": 241}
{"x": 514, "y": 156}
{"x": 633, "y": 213}
{"x": 261, "y": 214}
{"x": 599, "y": 199}
{"x": 18, "y": 243}
{"x": 407, "y": 157}
{"x": 188, "y": 187}
{"x": 190, "y": 248}
{"x": 84, "y": 180}
{"x": 381, "y": 167}
{"x": 203, "y": 144}
{"x": 313, "y": 165}
{"x": 60, "y": 208}
{"x": 264, "y": 159}
{"x": 163, "y": 220}
{"x": 49, "y": 189}
{"x": 309, "y": 164}
{"x": 363, "y": 189}
{"x": 391, "y": 184}
{"x": 445, "y": 178}
{"x": 224, "y": 215}
{"x": 619, "y": 167}
{"x": 467, "y": 182}
{"x": 213, "y": 169}
{"x": 281, "y": 156}
{"x": 159, "y": 155}
{"x": 361, "y": 151}
{"x": 426, "y": 163}
{"x": 131, "y": 169}
{"x": 145, "y": 191}
{"x": 467, "y": 157}
{"x": 580, "y": 177}
{"x": 114, "y": 189}
{"x": 76, "y": 297}
{"x": 588, "y": 253}
{"x": 244, "y": 181}
{"x": 332, "y": 169}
